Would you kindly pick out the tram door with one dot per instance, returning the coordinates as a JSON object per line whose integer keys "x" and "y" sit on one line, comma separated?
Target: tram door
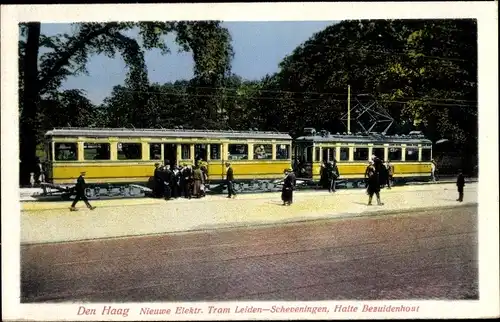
{"x": 47, "y": 164}
{"x": 170, "y": 154}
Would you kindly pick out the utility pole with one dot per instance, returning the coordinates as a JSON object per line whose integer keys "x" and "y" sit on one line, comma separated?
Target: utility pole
{"x": 348, "y": 109}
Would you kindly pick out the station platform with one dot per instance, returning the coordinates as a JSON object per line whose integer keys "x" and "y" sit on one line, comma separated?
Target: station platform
{"x": 48, "y": 222}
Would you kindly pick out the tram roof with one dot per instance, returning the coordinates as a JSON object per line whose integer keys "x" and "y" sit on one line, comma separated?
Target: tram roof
{"x": 366, "y": 138}
{"x": 174, "y": 133}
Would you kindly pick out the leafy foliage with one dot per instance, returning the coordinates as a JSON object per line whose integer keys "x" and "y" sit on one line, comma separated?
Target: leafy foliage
{"x": 67, "y": 55}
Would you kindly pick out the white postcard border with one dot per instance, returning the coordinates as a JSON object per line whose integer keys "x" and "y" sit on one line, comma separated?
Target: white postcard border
{"x": 485, "y": 12}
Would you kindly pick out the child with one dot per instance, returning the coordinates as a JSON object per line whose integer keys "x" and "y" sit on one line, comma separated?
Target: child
{"x": 460, "y": 186}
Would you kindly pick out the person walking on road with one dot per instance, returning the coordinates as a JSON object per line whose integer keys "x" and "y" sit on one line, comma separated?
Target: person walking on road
{"x": 460, "y": 185}
{"x": 373, "y": 185}
{"x": 80, "y": 193}
{"x": 230, "y": 181}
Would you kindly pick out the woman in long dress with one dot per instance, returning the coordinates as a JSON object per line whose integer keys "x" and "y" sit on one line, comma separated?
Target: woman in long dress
{"x": 373, "y": 184}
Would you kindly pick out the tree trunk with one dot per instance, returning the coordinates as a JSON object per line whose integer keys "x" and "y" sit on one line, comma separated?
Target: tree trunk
{"x": 29, "y": 101}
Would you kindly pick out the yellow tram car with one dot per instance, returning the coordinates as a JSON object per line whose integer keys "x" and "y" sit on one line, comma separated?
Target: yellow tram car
{"x": 122, "y": 156}
{"x": 410, "y": 154}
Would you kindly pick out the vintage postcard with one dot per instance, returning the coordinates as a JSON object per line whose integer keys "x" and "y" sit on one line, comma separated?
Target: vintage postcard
{"x": 250, "y": 161}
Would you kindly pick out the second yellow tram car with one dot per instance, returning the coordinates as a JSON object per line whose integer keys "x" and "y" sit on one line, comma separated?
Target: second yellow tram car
{"x": 410, "y": 154}
{"x": 122, "y": 156}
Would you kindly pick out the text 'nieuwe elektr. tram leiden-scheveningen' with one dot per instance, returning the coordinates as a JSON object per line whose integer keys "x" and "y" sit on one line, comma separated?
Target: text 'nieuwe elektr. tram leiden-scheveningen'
{"x": 261, "y": 164}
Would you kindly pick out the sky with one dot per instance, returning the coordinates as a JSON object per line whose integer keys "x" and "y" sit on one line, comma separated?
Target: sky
{"x": 258, "y": 46}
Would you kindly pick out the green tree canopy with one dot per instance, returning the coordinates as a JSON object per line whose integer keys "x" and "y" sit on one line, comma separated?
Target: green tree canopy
{"x": 41, "y": 75}
{"x": 422, "y": 71}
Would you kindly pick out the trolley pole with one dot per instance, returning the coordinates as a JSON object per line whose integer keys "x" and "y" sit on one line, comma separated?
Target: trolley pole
{"x": 348, "y": 109}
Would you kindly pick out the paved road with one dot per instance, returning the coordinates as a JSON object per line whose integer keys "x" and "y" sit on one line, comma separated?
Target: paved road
{"x": 425, "y": 255}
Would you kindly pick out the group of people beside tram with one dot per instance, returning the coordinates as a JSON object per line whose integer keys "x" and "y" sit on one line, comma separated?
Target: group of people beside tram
{"x": 179, "y": 181}
{"x": 329, "y": 173}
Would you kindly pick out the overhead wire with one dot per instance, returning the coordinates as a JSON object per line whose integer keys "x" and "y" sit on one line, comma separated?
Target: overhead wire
{"x": 430, "y": 102}
{"x": 301, "y": 92}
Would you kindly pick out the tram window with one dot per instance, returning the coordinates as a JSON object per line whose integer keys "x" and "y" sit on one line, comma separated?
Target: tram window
{"x": 200, "y": 152}
{"x": 360, "y": 154}
{"x": 96, "y": 151}
{"x": 378, "y": 152}
{"x": 395, "y": 154}
{"x": 66, "y": 151}
{"x": 237, "y": 151}
{"x": 332, "y": 154}
{"x": 129, "y": 151}
{"x": 317, "y": 154}
{"x": 215, "y": 152}
{"x": 185, "y": 151}
{"x": 344, "y": 154}
{"x": 282, "y": 151}
{"x": 309, "y": 153}
{"x": 426, "y": 154}
{"x": 324, "y": 155}
{"x": 263, "y": 151}
{"x": 154, "y": 151}
{"x": 411, "y": 153}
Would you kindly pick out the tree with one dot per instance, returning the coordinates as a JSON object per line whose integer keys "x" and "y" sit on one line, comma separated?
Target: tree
{"x": 64, "y": 109}
{"x": 423, "y": 71}
{"x": 68, "y": 55}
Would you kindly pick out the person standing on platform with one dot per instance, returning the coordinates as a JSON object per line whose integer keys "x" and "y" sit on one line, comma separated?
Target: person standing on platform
{"x": 167, "y": 179}
{"x": 288, "y": 186}
{"x": 174, "y": 183}
{"x": 433, "y": 170}
{"x": 204, "y": 172}
{"x": 80, "y": 192}
{"x": 373, "y": 185}
{"x": 390, "y": 173}
{"x": 323, "y": 175}
{"x": 460, "y": 185}
{"x": 333, "y": 174}
{"x": 367, "y": 171}
{"x": 198, "y": 181}
{"x": 230, "y": 181}
{"x": 186, "y": 180}
{"x": 158, "y": 185}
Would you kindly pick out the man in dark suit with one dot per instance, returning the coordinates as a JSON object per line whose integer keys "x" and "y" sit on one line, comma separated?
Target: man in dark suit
{"x": 187, "y": 178}
{"x": 158, "y": 182}
{"x": 230, "y": 181}
{"x": 460, "y": 185}
{"x": 167, "y": 179}
{"x": 80, "y": 192}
